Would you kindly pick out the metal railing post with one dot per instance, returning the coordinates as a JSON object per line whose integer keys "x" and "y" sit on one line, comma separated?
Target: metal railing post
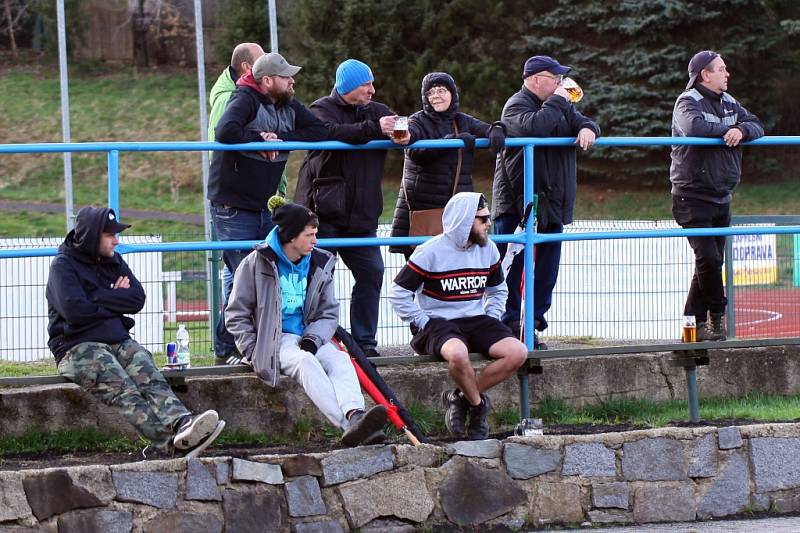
{"x": 730, "y": 286}
{"x": 530, "y": 230}
{"x": 113, "y": 181}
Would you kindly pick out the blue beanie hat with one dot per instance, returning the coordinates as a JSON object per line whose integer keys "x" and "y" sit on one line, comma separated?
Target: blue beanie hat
{"x": 350, "y": 74}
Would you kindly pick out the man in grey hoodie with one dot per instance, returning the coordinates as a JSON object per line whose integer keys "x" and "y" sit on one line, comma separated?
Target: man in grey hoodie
{"x": 452, "y": 293}
{"x": 282, "y": 313}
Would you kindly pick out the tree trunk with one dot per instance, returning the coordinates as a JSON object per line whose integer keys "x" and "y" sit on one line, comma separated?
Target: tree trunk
{"x": 10, "y": 28}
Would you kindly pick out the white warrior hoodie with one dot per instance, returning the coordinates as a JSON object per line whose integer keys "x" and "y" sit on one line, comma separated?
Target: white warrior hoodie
{"x": 448, "y": 276}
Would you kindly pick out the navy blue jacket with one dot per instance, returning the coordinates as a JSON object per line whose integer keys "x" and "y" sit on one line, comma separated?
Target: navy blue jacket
{"x": 81, "y": 304}
{"x": 555, "y": 169}
{"x": 709, "y": 173}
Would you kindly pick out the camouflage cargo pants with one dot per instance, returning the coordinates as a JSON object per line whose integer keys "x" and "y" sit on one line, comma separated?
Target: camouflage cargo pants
{"x": 124, "y": 376}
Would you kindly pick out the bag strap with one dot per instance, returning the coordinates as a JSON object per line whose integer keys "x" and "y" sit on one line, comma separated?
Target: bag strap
{"x": 455, "y": 180}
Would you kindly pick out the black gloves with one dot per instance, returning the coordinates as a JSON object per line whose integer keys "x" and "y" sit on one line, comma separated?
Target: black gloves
{"x": 497, "y": 137}
{"x": 307, "y": 345}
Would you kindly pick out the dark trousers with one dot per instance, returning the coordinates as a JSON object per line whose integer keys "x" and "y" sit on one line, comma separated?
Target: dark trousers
{"x": 706, "y": 292}
{"x": 545, "y": 272}
{"x": 366, "y": 265}
{"x": 234, "y": 224}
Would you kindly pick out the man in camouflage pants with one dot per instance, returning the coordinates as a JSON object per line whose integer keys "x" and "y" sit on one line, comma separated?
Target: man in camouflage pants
{"x": 90, "y": 289}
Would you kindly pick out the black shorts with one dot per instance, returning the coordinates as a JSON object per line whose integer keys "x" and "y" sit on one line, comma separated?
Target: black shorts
{"x": 478, "y": 333}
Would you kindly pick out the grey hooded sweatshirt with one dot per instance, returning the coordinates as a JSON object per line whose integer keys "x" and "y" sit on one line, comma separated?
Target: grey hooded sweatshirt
{"x": 448, "y": 276}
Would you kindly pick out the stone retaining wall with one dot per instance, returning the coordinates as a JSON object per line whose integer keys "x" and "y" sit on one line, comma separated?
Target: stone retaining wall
{"x": 670, "y": 474}
{"x": 246, "y": 403}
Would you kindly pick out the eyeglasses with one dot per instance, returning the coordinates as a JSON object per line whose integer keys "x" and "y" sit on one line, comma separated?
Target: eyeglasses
{"x": 437, "y": 91}
{"x": 483, "y": 218}
{"x": 558, "y": 77}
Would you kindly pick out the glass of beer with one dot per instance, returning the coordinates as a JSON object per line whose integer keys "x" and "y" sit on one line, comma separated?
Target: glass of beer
{"x": 400, "y": 130}
{"x": 574, "y": 90}
{"x": 689, "y": 329}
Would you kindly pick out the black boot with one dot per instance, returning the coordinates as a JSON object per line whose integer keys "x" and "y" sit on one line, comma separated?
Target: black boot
{"x": 716, "y": 327}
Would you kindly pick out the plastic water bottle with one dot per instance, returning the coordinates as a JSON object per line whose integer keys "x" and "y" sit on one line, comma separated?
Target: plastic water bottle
{"x": 182, "y": 338}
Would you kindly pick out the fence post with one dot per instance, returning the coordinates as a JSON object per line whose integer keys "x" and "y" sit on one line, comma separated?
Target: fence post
{"x": 729, "y": 289}
{"x": 530, "y": 230}
{"x": 113, "y": 181}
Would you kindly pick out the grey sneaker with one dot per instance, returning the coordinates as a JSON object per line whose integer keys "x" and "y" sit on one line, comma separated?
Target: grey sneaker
{"x": 195, "y": 428}
{"x": 363, "y": 425}
{"x": 478, "y": 427}
{"x": 455, "y": 415}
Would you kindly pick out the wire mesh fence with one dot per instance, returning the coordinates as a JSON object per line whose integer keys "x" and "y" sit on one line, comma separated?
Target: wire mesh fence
{"x": 625, "y": 289}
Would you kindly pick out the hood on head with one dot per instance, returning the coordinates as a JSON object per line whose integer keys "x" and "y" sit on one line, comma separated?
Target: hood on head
{"x": 459, "y": 215}
{"x": 444, "y": 79}
{"x": 85, "y": 236}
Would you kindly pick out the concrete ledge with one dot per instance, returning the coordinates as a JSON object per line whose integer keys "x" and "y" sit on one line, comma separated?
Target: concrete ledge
{"x": 246, "y": 403}
{"x": 632, "y": 477}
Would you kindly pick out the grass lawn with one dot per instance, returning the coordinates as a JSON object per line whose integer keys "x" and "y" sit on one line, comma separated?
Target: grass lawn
{"x": 754, "y": 407}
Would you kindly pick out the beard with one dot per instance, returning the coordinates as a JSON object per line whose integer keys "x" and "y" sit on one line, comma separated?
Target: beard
{"x": 479, "y": 238}
{"x": 282, "y": 97}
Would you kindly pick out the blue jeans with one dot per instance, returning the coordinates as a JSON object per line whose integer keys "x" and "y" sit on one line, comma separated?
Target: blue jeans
{"x": 233, "y": 224}
{"x": 366, "y": 264}
{"x": 545, "y": 273}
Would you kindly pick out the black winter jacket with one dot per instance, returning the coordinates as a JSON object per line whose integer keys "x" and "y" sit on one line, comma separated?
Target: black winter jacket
{"x": 245, "y": 179}
{"x": 709, "y": 173}
{"x": 81, "y": 304}
{"x": 362, "y": 170}
{"x": 428, "y": 174}
{"x": 555, "y": 173}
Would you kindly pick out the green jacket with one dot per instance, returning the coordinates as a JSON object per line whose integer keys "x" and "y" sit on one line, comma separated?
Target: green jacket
{"x": 218, "y": 98}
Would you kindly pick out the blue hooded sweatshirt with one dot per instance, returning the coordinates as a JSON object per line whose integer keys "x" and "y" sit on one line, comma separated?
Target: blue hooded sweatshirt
{"x": 293, "y": 280}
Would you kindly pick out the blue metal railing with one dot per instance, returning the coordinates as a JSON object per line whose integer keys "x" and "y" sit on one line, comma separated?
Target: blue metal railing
{"x": 529, "y": 237}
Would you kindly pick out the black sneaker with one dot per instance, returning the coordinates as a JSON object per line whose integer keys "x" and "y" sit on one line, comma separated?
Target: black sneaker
{"x": 363, "y": 425}
{"x": 371, "y": 352}
{"x": 379, "y": 437}
{"x": 193, "y": 429}
{"x": 455, "y": 415}
{"x": 205, "y": 443}
{"x": 538, "y": 345}
{"x": 478, "y": 427}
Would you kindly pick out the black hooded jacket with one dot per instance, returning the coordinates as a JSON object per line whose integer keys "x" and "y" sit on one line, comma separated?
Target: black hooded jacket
{"x": 428, "y": 173}
{"x": 82, "y": 305}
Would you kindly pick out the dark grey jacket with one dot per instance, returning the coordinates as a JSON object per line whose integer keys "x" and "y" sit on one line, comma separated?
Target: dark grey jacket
{"x": 555, "y": 174}
{"x": 253, "y": 315}
{"x": 709, "y": 173}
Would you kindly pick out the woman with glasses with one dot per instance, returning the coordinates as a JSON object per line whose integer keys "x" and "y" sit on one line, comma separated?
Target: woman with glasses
{"x": 432, "y": 176}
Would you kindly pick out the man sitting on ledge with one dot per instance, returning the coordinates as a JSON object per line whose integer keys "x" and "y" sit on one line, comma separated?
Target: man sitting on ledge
{"x": 90, "y": 289}
{"x": 283, "y": 313}
{"x": 452, "y": 293}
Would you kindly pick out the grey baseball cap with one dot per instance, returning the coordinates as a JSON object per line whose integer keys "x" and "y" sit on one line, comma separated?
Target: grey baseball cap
{"x": 273, "y": 64}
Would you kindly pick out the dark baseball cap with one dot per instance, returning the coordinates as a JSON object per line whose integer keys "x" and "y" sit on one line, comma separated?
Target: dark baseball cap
{"x": 537, "y": 64}
{"x": 698, "y": 62}
{"x": 112, "y": 225}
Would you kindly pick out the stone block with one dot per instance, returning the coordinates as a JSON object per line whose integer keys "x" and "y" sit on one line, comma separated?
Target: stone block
{"x": 703, "y": 462}
{"x": 488, "y": 449}
{"x": 787, "y": 503}
{"x": 557, "y": 503}
{"x": 325, "y": 526}
{"x": 424, "y": 455}
{"x": 13, "y": 504}
{"x": 388, "y": 526}
{"x": 606, "y": 495}
{"x": 201, "y": 484}
{"x": 729, "y": 438}
{"x": 355, "y": 463}
{"x": 655, "y": 459}
{"x": 40, "y": 487}
{"x": 729, "y": 493}
{"x": 775, "y": 464}
{"x": 403, "y": 495}
{"x": 471, "y": 495}
{"x": 180, "y": 522}
{"x": 661, "y": 502}
{"x": 250, "y": 512}
{"x": 759, "y": 502}
{"x": 302, "y": 465}
{"x": 304, "y": 497}
{"x": 589, "y": 459}
{"x": 260, "y": 472}
{"x": 525, "y": 462}
{"x": 107, "y": 521}
{"x": 610, "y": 516}
{"x": 158, "y": 489}
{"x": 223, "y": 472}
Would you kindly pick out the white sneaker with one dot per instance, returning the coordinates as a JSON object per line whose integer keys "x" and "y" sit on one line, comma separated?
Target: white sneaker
{"x": 195, "y": 429}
